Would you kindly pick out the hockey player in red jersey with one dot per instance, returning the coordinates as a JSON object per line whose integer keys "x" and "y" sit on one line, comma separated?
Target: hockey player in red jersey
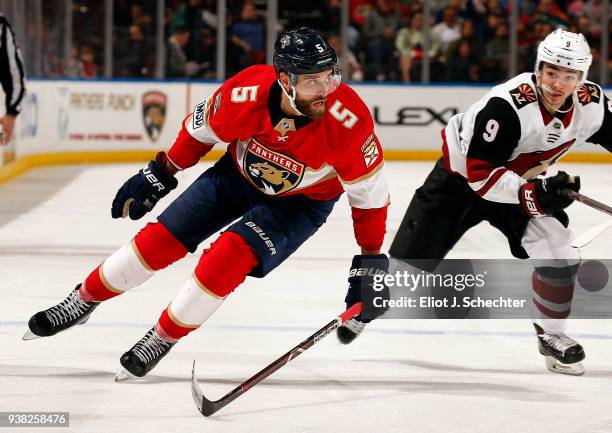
{"x": 296, "y": 139}
{"x": 495, "y": 156}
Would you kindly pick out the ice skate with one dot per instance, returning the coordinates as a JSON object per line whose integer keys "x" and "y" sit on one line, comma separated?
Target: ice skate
{"x": 143, "y": 356}
{"x": 563, "y": 355}
{"x": 349, "y": 331}
{"x": 71, "y": 311}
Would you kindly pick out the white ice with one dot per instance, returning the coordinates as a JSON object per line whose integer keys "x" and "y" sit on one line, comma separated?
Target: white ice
{"x": 399, "y": 376}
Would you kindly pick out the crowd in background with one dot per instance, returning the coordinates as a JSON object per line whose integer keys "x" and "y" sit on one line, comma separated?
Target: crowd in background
{"x": 469, "y": 39}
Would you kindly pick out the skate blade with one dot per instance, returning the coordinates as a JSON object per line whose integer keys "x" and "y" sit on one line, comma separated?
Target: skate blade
{"x": 576, "y": 369}
{"x": 123, "y": 375}
{"x": 29, "y": 335}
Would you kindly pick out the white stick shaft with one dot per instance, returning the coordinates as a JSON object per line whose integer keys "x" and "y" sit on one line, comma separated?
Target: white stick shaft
{"x": 588, "y": 236}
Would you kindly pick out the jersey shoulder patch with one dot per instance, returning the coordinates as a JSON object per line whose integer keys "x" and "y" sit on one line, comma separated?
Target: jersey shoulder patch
{"x": 370, "y": 151}
{"x": 589, "y": 92}
{"x": 522, "y": 95}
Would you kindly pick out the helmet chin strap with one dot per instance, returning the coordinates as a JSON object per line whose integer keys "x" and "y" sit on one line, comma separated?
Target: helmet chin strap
{"x": 291, "y": 97}
{"x": 549, "y": 89}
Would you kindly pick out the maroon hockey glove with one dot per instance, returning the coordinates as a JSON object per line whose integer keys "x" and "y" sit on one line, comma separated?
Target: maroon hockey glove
{"x": 141, "y": 192}
{"x": 541, "y": 197}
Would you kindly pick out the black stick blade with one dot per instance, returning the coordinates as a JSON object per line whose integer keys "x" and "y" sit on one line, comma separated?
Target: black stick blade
{"x": 205, "y": 406}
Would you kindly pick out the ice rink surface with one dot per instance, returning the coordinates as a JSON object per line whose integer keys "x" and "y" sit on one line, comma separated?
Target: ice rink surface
{"x": 399, "y": 376}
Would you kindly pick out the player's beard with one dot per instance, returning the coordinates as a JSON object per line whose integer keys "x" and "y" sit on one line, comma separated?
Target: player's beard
{"x": 307, "y": 108}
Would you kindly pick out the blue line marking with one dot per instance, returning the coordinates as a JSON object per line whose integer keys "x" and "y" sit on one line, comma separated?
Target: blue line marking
{"x": 305, "y": 329}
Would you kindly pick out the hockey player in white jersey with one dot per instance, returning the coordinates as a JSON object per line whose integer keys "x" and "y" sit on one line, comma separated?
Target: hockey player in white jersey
{"x": 495, "y": 157}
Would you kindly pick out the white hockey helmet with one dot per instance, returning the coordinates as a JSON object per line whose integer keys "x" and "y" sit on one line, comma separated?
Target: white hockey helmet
{"x": 566, "y": 49}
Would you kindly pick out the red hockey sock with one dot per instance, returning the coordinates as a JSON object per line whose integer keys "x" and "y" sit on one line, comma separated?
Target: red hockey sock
{"x": 553, "y": 297}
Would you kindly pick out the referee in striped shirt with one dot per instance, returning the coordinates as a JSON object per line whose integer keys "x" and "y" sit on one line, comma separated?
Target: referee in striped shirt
{"x": 12, "y": 76}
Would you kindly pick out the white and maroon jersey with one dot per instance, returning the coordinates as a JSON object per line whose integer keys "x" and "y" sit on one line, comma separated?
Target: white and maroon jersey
{"x": 508, "y": 137}
{"x": 282, "y": 155}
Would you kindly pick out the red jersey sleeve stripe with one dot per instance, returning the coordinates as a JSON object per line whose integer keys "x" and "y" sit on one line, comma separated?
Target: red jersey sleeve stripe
{"x": 492, "y": 181}
{"x": 478, "y": 170}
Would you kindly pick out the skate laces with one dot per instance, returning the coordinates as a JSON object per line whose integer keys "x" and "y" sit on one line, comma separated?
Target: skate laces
{"x": 69, "y": 309}
{"x": 151, "y": 346}
{"x": 559, "y": 342}
{"x": 354, "y": 326}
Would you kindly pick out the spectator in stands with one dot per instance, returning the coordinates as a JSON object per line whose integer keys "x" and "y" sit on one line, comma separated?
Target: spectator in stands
{"x": 208, "y": 14}
{"x": 206, "y": 53}
{"x": 379, "y": 31}
{"x": 177, "y": 63}
{"x": 189, "y": 15}
{"x": 574, "y": 8}
{"x": 133, "y": 56}
{"x": 88, "y": 67}
{"x": 468, "y": 33}
{"x": 447, "y": 31}
{"x": 359, "y": 11}
{"x": 72, "y": 68}
{"x": 497, "y": 54}
{"x": 549, "y": 12}
{"x": 461, "y": 9}
{"x": 409, "y": 43}
{"x": 141, "y": 19}
{"x": 540, "y": 31}
{"x": 462, "y": 64}
{"x": 595, "y": 10}
{"x": 594, "y": 70}
{"x": 351, "y": 69}
{"x": 584, "y": 25}
{"x": 248, "y": 37}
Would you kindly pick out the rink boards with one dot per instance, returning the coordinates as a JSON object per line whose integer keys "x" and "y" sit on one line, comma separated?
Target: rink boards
{"x": 61, "y": 116}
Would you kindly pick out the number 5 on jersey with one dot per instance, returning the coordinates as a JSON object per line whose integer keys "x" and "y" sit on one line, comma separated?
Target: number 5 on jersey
{"x": 343, "y": 115}
{"x": 242, "y": 94}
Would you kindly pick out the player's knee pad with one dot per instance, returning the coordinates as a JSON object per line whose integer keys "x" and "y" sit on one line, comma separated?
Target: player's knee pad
{"x": 157, "y": 247}
{"x": 225, "y": 265}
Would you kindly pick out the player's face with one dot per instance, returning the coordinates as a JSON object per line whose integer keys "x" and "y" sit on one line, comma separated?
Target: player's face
{"x": 312, "y": 91}
{"x": 558, "y": 83}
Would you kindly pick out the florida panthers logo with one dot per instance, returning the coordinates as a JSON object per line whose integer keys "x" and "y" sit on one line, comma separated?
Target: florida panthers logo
{"x": 271, "y": 172}
{"x": 271, "y": 177}
{"x": 154, "y": 113}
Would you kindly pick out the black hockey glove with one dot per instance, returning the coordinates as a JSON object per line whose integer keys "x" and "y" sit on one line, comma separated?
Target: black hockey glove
{"x": 366, "y": 284}
{"x": 541, "y": 197}
{"x": 141, "y": 192}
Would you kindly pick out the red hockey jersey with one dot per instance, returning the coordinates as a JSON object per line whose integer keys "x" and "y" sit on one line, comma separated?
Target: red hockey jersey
{"x": 282, "y": 155}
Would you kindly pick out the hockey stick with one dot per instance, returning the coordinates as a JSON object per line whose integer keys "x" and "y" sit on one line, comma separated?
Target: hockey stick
{"x": 208, "y": 407}
{"x": 587, "y": 201}
{"x": 591, "y": 234}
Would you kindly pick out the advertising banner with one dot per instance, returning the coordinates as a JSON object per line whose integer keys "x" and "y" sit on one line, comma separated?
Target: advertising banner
{"x": 74, "y": 116}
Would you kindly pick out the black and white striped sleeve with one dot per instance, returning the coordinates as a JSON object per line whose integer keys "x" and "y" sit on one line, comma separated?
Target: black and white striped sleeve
{"x": 12, "y": 71}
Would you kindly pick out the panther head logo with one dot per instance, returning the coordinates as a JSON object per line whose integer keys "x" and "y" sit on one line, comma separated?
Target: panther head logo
{"x": 154, "y": 113}
{"x": 271, "y": 172}
{"x": 273, "y": 180}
